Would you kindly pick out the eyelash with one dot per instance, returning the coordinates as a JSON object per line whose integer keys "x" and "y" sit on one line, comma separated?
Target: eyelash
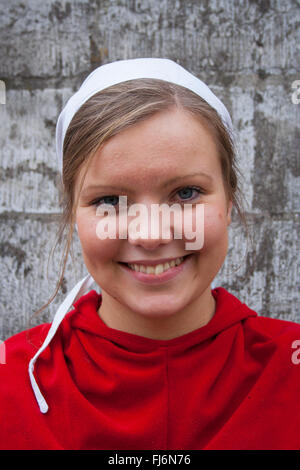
{"x": 98, "y": 201}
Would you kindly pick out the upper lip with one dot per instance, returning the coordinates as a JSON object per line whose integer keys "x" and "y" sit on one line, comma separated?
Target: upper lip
{"x": 153, "y": 262}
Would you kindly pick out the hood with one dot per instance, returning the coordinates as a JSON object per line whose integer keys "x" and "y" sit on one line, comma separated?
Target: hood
{"x": 229, "y": 310}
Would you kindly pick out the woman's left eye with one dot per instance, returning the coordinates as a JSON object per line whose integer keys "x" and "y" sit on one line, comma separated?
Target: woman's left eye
{"x": 188, "y": 191}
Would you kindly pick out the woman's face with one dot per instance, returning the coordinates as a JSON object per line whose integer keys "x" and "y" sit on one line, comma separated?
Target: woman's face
{"x": 168, "y": 158}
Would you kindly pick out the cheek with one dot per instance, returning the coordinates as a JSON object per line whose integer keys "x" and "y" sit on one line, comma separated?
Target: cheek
{"x": 94, "y": 249}
{"x": 215, "y": 227}
{"x": 211, "y": 223}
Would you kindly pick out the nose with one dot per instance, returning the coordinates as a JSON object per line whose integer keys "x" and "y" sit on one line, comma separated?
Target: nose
{"x": 149, "y": 230}
{"x": 149, "y": 244}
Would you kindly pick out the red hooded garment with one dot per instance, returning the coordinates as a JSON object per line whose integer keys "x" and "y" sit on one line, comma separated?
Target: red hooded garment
{"x": 232, "y": 384}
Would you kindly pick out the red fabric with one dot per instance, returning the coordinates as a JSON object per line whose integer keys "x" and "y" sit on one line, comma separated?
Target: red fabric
{"x": 231, "y": 384}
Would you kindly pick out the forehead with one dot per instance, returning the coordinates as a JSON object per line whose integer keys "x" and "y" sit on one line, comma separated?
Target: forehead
{"x": 165, "y": 145}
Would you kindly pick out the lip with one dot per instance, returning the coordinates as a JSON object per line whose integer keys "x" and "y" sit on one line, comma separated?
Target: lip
{"x": 158, "y": 278}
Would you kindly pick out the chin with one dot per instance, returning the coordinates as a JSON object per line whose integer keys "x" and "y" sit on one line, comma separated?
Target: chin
{"x": 159, "y": 306}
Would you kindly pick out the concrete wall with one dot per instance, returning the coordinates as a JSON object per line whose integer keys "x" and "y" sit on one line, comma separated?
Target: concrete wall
{"x": 247, "y": 51}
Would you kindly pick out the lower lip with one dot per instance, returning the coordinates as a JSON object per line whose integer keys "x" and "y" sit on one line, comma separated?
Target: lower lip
{"x": 158, "y": 278}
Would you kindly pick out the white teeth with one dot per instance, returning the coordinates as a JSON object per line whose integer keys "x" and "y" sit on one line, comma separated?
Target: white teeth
{"x": 158, "y": 269}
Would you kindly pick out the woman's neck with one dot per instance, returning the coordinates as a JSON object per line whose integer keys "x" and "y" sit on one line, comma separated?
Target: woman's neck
{"x": 195, "y": 315}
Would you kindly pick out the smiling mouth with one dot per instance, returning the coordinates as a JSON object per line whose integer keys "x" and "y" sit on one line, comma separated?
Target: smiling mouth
{"x": 158, "y": 268}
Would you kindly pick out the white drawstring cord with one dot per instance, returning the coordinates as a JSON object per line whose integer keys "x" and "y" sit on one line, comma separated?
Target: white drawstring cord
{"x": 80, "y": 289}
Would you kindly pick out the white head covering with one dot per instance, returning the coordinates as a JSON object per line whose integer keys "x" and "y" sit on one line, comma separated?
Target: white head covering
{"x": 124, "y": 70}
{"x": 101, "y": 78}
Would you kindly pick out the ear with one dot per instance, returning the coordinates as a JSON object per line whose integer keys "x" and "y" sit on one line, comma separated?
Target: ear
{"x": 229, "y": 210}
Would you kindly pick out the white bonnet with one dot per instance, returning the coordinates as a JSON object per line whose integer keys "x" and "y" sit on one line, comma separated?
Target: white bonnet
{"x": 124, "y": 70}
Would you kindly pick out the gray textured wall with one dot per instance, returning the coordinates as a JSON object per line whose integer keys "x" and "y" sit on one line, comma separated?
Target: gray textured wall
{"x": 247, "y": 51}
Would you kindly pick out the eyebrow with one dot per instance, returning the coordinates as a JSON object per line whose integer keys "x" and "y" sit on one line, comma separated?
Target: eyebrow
{"x": 168, "y": 183}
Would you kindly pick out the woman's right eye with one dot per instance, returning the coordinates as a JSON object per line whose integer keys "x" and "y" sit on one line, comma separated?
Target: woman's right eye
{"x": 111, "y": 200}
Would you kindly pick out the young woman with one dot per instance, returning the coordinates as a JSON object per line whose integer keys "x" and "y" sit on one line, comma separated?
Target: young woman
{"x": 159, "y": 359}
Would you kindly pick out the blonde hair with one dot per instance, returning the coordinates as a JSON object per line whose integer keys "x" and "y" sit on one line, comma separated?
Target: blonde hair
{"x": 113, "y": 110}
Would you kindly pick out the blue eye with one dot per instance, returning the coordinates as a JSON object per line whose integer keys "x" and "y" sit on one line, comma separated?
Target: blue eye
{"x": 106, "y": 200}
{"x": 188, "y": 191}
